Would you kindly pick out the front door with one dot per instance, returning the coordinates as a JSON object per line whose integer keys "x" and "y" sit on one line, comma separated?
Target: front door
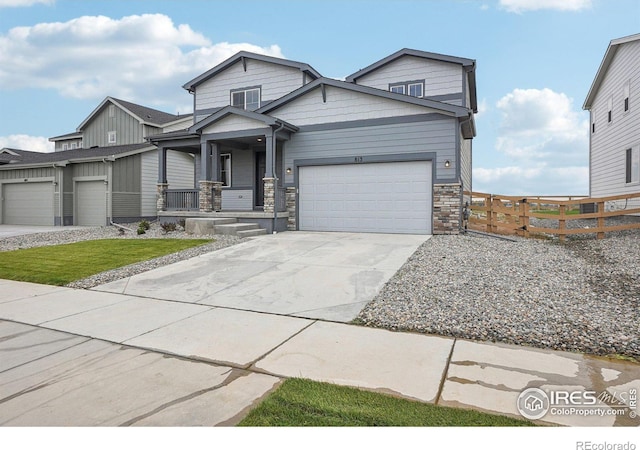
{"x": 261, "y": 168}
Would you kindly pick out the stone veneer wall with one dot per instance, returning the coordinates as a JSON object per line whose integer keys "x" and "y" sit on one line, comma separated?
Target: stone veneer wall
{"x": 269, "y": 195}
{"x": 160, "y": 198}
{"x": 447, "y": 208}
{"x": 290, "y": 198}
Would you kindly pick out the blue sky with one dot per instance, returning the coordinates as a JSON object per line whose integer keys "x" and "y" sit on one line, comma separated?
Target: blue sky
{"x": 536, "y": 60}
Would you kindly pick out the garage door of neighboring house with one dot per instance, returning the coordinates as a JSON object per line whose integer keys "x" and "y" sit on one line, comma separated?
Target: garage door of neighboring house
{"x": 391, "y": 197}
{"x": 27, "y": 203}
{"x": 91, "y": 203}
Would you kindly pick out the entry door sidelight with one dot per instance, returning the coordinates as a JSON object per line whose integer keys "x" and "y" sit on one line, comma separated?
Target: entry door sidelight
{"x": 261, "y": 168}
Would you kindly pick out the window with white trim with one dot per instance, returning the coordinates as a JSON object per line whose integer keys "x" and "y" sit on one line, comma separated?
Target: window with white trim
{"x": 632, "y": 165}
{"x": 225, "y": 169}
{"x": 625, "y": 96}
{"x": 412, "y": 88}
{"x": 398, "y": 89}
{"x": 111, "y": 137}
{"x": 248, "y": 99}
{"x": 74, "y": 145}
{"x": 65, "y": 146}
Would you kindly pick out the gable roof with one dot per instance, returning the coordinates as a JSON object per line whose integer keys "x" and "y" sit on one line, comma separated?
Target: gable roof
{"x": 614, "y": 45}
{"x": 241, "y": 56}
{"x": 64, "y": 137}
{"x": 232, "y": 110}
{"x": 468, "y": 64}
{"x": 445, "y": 108}
{"x": 143, "y": 114}
{"x": 22, "y": 158}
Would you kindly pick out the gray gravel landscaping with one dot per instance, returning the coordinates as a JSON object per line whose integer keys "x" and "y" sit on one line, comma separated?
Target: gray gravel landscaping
{"x": 92, "y": 233}
{"x": 582, "y": 295}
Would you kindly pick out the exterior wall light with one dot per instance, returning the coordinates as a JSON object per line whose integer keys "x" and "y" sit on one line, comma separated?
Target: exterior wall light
{"x": 288, "y": 170}
{"x": 447, "y": 163}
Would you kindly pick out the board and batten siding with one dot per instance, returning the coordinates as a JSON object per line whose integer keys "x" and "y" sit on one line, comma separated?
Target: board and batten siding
{"x": 275, "y": 81}
{"x": 128, "y": 129}
{"x": 126, "y": 187}
{"x": 343, "y": 105}
{"x": 439, "y": 77}
{"x": 436, "y": 136}
{"x": 611, "y": 140}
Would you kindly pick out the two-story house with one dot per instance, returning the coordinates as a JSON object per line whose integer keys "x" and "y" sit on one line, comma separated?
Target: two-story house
{"x": 387, "y": 150}
{"x": 613, "y": 103}
{"x": 104, "y": 171}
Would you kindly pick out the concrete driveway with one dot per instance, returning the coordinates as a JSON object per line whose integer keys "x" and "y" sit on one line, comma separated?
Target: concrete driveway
{"x": 328, "y": 276}
{"x": 20, "y": 230}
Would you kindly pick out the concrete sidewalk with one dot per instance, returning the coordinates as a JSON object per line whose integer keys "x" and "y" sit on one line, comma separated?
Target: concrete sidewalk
{"x": 77, "y": 357}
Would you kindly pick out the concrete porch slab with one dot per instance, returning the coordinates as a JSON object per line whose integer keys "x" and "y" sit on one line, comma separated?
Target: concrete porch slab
{"x": 409, "y": 365}
{"x": 223, "y": 336}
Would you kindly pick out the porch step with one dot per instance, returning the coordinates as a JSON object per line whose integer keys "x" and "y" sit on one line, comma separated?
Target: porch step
{"x": 202, "y": 226}
{"x": 250, "y": 233}
{"x": 234, "y": 229}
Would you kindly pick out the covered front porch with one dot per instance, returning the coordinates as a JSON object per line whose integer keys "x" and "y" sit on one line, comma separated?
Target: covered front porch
{"x": 238, "y": 161}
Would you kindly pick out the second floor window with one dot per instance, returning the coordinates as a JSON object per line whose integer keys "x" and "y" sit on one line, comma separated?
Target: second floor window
{"x": 248, "y": 99}
{"x": 111, "y": 137}
{"x": 412, "y": 88}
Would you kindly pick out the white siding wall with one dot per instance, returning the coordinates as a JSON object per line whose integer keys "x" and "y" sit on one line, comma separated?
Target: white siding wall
{"x": 440, "y": 77}
{"x": 611, "y": 140}
{"x": 276, "y": 81}
{"x": 342, "y": 105}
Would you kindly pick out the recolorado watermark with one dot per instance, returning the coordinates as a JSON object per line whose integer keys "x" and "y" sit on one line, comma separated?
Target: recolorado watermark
{"x": 535, "y": 403}
{"x": 588, "y": 445}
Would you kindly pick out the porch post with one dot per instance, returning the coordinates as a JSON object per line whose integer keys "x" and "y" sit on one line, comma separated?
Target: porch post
{"x": 205, "y": 199}
{"x": 269, "y": 177}
{"x": 215, "y": 176}
{"x": 162, "y": 179}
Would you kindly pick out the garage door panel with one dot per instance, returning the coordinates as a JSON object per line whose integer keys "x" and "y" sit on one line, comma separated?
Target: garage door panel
{"x": 28, "y": 204}
{"x": 378, "y": 197}
{"x": 91, "y": 203}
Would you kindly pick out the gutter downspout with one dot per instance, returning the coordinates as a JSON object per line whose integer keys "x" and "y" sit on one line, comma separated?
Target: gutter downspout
{"x": 60, "y": 193}
{"x": 275, "y": 177}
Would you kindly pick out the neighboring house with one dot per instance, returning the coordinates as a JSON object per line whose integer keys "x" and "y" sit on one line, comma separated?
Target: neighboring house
{"x": 388, "y": 150}
{"x": 614, "y": 105}
{"x": 105, "y": 171}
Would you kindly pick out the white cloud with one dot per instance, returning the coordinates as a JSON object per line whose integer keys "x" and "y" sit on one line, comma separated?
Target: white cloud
{"x": 26, "y": 142}
{"x": 18, "y": 3}
{"x": 545, "y": 142}
{"x": 542, "y": 125}
{"x": 143, "y": 58}
{"x": 520, "y": 6}
{"x": 539, "y": 179}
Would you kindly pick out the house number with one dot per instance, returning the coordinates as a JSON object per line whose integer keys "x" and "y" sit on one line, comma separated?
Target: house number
{"x": 358, "y": 159}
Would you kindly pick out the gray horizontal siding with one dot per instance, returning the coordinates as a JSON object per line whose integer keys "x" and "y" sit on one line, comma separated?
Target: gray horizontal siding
{"x": 275, "y": 81}
{"x": 436, "y": 136}
{"x": 465, "y": 163}
{"x": 440, "y": 77}
{"x": 237, "y": 200}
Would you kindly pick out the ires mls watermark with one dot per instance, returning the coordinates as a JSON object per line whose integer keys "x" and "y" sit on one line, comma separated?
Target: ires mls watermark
{"x": 534, "y": 403}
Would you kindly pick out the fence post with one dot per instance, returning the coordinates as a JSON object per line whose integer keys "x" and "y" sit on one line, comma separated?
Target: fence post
{"x": 489, "y": 203}
{"x": 600, "y": 234}
{"x": 562, "y": 223}
{"x": 524, "y": 217}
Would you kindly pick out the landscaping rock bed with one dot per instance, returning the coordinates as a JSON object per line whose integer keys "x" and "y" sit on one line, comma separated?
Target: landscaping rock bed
{"x": 91, "y": 233}
{"x": 582, "y": 295}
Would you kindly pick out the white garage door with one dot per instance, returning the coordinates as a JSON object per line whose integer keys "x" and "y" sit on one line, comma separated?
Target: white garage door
{"x": 28, "y": 204}
{"x": 91, "y": 203}
{"x": 378, "y": 197}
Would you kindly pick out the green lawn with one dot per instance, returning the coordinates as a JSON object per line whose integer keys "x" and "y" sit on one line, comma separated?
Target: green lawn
{"x": 62, "y": 264}
{"x": 298, "y": 402}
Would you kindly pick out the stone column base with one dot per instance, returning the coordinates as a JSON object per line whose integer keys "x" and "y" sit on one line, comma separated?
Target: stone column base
{"x": 447, "y": 208}
{"x": 269, "y": 195}
{"x": 160, "y": 197}
{"x": 205, "y": 199}
{"x": 290, "y": 197}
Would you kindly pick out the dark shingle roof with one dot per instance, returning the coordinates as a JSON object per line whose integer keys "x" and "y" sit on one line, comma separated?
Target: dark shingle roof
{"x": 148, "y": 114}
{"x": 25, "y": 157}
